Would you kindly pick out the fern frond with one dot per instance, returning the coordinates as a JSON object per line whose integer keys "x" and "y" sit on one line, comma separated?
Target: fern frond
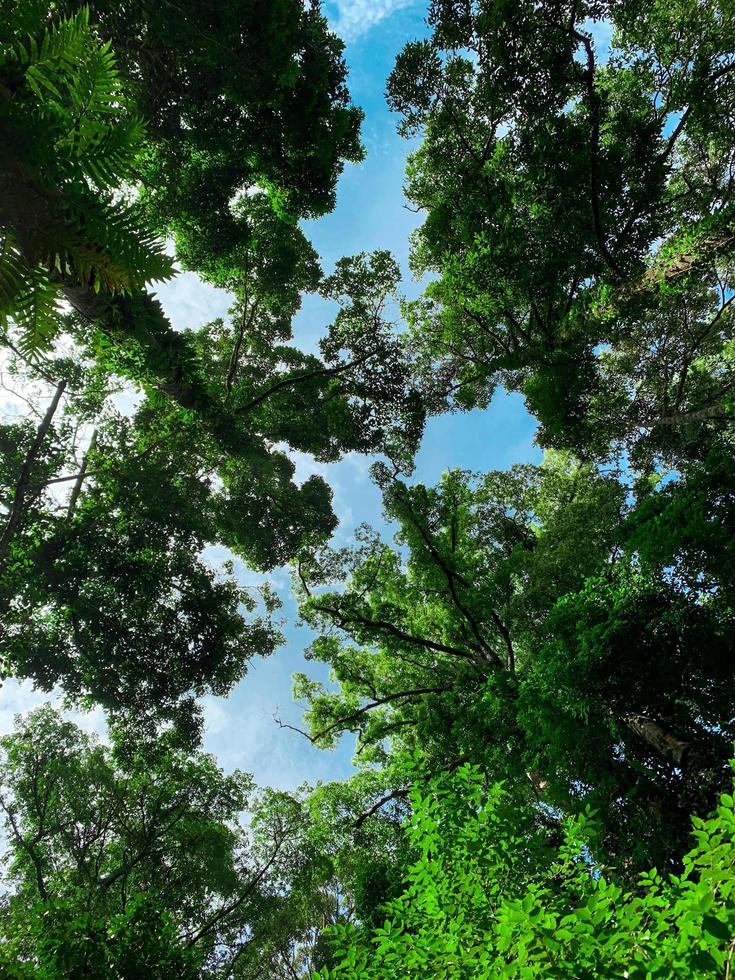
{"x": 139, "y": 256}
{"x": 111, "y": 159}
{"x": 37, "y": 314}
{"x": 103, "y": 245}
{"x": 51, "y": 62}
{"x": 96, "y": 88}
{"x": 14, "y": 274}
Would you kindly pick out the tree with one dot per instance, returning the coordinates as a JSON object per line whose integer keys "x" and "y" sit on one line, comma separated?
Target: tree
{"x": 578, "y": 217}
{"x": 515, "y": 628}
{"x": 258, "y": 153}
{"x": 131, "y": 856}
{"x": 346, "y": 879}
{"x": 210, "y": 135}
{"x": 105, "y": 589}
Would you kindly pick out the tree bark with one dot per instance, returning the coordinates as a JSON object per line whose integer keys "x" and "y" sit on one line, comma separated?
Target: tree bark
{"x": 662, "y": 742}
{"x": 711, "y": 412}
{"x": 35, "y": 214}
{"x": 678, "y": 266}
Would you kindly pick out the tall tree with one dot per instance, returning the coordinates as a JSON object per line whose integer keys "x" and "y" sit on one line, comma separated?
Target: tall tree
{"x": 136, "y": 856}
{"x": 515, "y": 627}
{"x": 106, "y": 843}
{"x": 578, "y": 216}
{"x": 226, "y": 163}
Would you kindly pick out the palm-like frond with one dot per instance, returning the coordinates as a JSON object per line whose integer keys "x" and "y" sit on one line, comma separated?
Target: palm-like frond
{"x": 13, "y": 273}
{"x": 50, "y": 62}
{"x": 86, "y": 140}
{"x": 37, "y": 314}
{"x": 28, "y": 297}
{"x": 113, "y": 153}
{"x": 106, "y": 246}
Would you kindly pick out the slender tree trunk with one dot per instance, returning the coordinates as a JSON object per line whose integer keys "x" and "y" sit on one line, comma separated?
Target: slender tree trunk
{"x": 23, "y": 482}
{"x": 77, "y": 488}
{"x": 678, "y": 266}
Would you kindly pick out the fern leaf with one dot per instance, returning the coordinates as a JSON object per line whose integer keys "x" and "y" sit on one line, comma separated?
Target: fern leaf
{"x": 52, "y": 62}
{"x": 64, "y": 41}
{"x": 14, "y": 275}
{"x": 37, "y": 314}
{"x": 110, "y": 160}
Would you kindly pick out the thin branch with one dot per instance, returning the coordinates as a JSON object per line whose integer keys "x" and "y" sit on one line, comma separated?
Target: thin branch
{"x": 4, "y": 339}
{"x": 403, "y": 792}
{"x": 245, "y": 324}
{"x": 77, "y": 488}
{"x": 390, "y": 628}
{"x": 450, "y": 575}
{"x": 305, "y": 376}
{"x": 27, "y": 847}
{"x": 154, "y": 831}
{"x": 387, "y": 699}
{"x": 397, "y": 794}
{"x": 227, "y": 909}
{"x": 728, "y": 961}
{"x": 675, "y": 134}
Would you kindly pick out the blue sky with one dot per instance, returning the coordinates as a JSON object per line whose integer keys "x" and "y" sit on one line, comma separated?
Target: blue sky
{"x": 370, "y": 214}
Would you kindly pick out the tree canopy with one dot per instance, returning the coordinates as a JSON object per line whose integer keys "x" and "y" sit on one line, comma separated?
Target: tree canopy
{"x": 534, "y": 665}
{"x": 577, "y": 209}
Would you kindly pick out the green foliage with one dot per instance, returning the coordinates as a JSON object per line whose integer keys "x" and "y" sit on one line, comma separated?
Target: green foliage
{"x": 579, "y": 240}
{"x": 106, "y": 153}
{"x": 514, "y": 627}
{"x": 72, "y": 139}
{"x": 134, "y": 857}
{"x": 491, "y": 895}
{"x": 130, "y": 857}
{"x": 69, "y": 941}
{"x": 115, "y": 601}
{"x": 538, "y": 670}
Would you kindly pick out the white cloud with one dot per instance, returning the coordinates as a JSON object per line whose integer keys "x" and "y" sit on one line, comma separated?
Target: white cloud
{"x": 19, "y": 697}
{"x": 189, "y": 302}
{"x": 356, "y": 17}
{"x": 216, "y": 716}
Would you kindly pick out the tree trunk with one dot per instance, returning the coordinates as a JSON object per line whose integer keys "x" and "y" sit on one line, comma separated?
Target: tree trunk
{"x": 711, "y": 412}
{"x": 678, "y": 266}
{"x": 33, "y": 212}
{"x": 663, "y": 743}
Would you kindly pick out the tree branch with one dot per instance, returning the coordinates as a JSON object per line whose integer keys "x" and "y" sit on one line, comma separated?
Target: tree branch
{"x": 305, "y": 376}
{"x": 379, "y": 624}
{"x": 387, "y": 699}
{"x": 77, "y": 488}
{"x": 403, "y": 792}
{"x": 450, "y": 576}
{"x": 227, "y": 909}
{"x": 28, "y": 848}
{"x": 397, "y": 794}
